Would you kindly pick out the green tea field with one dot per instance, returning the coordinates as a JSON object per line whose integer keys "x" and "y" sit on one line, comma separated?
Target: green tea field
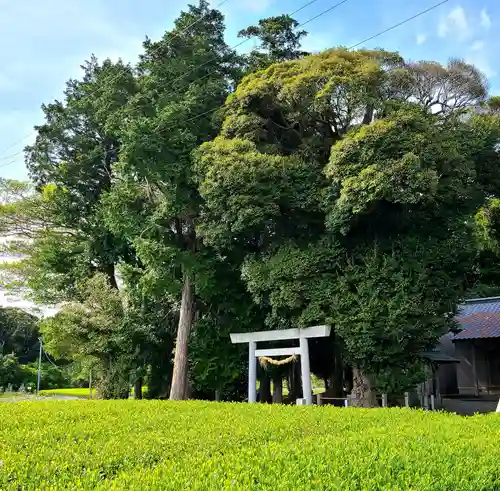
{"x": 196, "y": 445}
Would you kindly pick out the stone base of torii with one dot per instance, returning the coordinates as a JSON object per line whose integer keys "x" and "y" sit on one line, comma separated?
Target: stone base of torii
{"x": 303, "y": 335}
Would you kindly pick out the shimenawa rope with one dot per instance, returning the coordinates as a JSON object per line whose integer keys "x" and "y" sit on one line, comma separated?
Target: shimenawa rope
{"x": 265, "y": 360}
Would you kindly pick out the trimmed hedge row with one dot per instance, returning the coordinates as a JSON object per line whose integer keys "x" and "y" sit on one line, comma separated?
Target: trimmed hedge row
{"x": 210, "y": 446}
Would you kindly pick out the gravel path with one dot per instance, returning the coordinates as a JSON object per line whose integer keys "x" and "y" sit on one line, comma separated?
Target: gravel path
{"x": 29, "y": 397}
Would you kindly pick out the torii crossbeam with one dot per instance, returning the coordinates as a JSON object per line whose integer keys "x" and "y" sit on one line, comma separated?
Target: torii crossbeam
{"x": 252, "y": 338}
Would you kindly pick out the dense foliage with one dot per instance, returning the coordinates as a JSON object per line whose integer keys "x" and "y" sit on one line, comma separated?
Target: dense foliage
{"x": 18, "y": 334}
{"x": 352, "y": 200}
{"x": 202, "y": 191}
{"x": 19, "y": 351}
{"x": 155, "y": 445}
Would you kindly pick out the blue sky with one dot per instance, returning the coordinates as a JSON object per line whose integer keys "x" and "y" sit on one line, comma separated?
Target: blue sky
{"x": 42, "y": 43}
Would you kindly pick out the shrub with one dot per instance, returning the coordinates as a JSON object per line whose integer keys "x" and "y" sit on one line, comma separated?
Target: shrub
{"x": 51, "y": 376}
{"x": 11, "y": 372}
{"x": 209, "y": 446}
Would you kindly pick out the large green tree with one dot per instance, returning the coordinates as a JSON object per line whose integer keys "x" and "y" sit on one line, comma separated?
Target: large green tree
{"x": 184, "y": 78}
{"x": 94, "y": 332}
{"x": 352, "y": 203}
{"x": 279, "y": 40}
{"x": 18, "y": 334}
{"x": 113, "y": 187}
{"x": 70, "y": 164}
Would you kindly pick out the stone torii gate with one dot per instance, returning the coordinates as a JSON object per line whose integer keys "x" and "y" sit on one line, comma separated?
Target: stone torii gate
{"x": 303, "y": 335}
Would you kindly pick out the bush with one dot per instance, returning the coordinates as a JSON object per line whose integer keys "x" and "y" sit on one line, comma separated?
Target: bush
{"x": 51, "y": 377}
{"x": 11, "y": 372}
{"x": 199, "y": 445}
{"x": 113, "y": 383}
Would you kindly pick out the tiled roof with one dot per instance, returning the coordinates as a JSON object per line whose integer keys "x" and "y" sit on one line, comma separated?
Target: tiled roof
{"x": 479, "y": 318}
{"x": 439, "y": 357}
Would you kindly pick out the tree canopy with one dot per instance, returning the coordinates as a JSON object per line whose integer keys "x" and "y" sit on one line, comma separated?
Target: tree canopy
{"x": 357, "y": 221}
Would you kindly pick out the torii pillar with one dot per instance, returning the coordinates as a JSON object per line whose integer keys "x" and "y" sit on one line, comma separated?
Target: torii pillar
{"x": 303, "y": 335}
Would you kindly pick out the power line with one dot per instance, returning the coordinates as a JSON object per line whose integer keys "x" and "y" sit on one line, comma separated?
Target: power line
{"x": 405, "y": 21}
{"x": 241, "y": 43}
{"x": 44, "y": 351}
{"x": 15, "y": 143}
{"x": 48, "y": 358}
{"x": 180, "y": 77}
{"x": 311, "y": 20}
{"x": 399, "y": 24}
{"x": 10, "y": 163}
{"x": 338, "y": 4}
{"x": 301, "y": 25}
{"x": 177, "y": 34}
{"x": 322, "y": 13}
{"x": 248, "y": 39}
{"x": 11, "y": 155}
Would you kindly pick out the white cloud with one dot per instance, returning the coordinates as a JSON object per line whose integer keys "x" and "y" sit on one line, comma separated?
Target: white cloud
{"x": 477, "y": 46}
{"x": 442, "y": 28}
{"x": 478, "y": 55}
{"x": 52, "y": 39}
{"x": 421, "y": 38}
{"x": 455, "y": 24}
{"x": 483, "y": 63}
{"x": 458, "y": 18}
{"x": 485, "y": 19}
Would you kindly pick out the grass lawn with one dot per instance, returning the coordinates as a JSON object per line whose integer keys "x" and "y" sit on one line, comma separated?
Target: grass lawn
{"x": 78, "y": 392}
{"x": 73, "y": 392}
{"x": 209, "y": 446}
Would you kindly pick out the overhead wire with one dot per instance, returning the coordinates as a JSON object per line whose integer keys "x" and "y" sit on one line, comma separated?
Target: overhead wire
{"x": 11, "y": 155}
{"x": 324, "y": 12}
{"x": 307, "y": 4}
{"x": 48, "y": 358}
{"x": 10, "y": 163}
{"x": 177, "y": 34}
{"x": 44, "y": 352}
{"x": 399, "y": 24}
{"x": 338, "y": 4}
{"x": 394, "y": 26}
{"x": 203, "y": 64}
{"x": 15, "y": 143}
{"x": 241, "y": 43}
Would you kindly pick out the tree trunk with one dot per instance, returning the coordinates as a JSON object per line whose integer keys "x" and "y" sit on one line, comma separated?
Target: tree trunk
{"x": 189, "y": 389}
{"x": 138, "y": 388}
{"x": 368, "y": 116}
{"x": 295, "y": 385}
{"x": 265, "y": 387}
{"x": 179, "y": 388}
{"x": 362, "y": 394}
{"x": 336, "y": 381}
{"x": 348, "y": 378}
{"x": 109, "y": 271}
{"x": 277, "y": 389}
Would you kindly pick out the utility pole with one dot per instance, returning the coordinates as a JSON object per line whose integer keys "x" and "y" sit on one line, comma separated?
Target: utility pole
{"x": 39, "y": 367}
{"x": 90, "y": 383}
